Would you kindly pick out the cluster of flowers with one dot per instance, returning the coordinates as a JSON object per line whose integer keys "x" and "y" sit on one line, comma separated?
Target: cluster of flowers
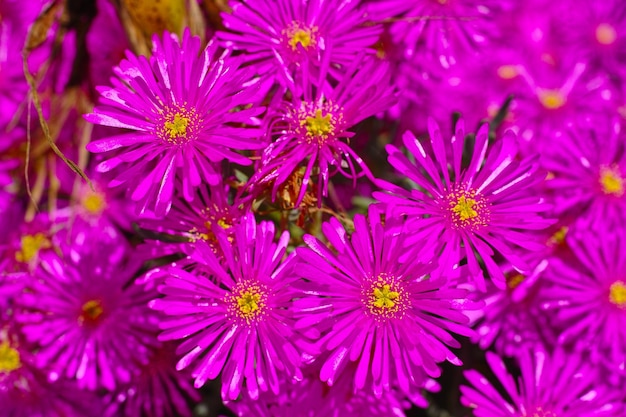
{"x": 312, "y": 202}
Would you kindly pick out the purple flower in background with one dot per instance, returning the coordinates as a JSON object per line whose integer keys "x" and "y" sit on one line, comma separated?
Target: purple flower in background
{"x": 369, "y": 298}
{"x": 185, "y": 107}
{"x": 87, "y": 317}
{"x": 312, "y": 130}
{"x": 560, "y": 384}
{"x": 485, "y": 208}
{"x": 235, "y": 317}
{"x": 588, "y": 296}
{"x": 280, "y": 36}
{"x": 588, "y": 175}
{"x": 158, "y": 389}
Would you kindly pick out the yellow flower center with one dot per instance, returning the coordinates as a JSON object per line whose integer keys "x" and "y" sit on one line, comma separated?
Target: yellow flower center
{"x": 514, "y": 281}
{"x": 302, "y": 37}
{"x": 617, "y": 294}
{"x": 611, "y": 181}
{"x": 551, "y": 99}
{"x": 91, "y": 311}
{"x": 383, "y": 296}
{"x": 464, "y": 208}
{"x": 30, "y": 245}
{"x": 9, "y": 358}
{"x": 559, "y": 236}
{"x": 507, "y": 72}
{"x": 177, "y": 127}
{"x": 605, "y": 34}
{"x": 318, "y": 125}
{"x": 248, "y": 301}
{"x": 94, "y": 202}
{"x": 467, "y": 209}
{"x": 299, "y": 34}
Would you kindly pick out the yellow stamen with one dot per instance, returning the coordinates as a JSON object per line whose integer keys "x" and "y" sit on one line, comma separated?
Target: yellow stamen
{"x": 248, "y": 302}
{"x": 606, "y": 34}
{"x": 91, "y": 311}
{"x": 465, "y": 208}
{"x": 617, "y": 294}
{"x": 514, "y": 281}
{"x": 302, "y": 37}
{"x": 611, "y": 181}
{"x": 559, "y": 236}
{"x": 9, "y": 358}
{"x": 319, "y": 125}
{"x": 177, "y": 127}
{"x": 383, "y": 296}
{"x": 94, "y": 202}
{"x": 551, "y": 99}
{"x": 30, "y": 247}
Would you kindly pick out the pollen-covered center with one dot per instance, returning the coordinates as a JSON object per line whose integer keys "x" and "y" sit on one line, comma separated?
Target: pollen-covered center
{"x": 617, "y": 294}
{"x": 30, "y": 245}
{"x": 467, "y": 210}
{"x": 385, "y": 297}
{"x": 298, "y": 34}
{"x": 247, "y": 302}
{"x": 91, "y": 311}
{"x": 93, "y": 202}
{"x": 611, "y": 181}
{"x": 178, "y": 125}
{"x": 551, "y": 99}
{"x": 317, "y": 123}
{"x": 9, "y": 358}
{"x": 606, "y": 34}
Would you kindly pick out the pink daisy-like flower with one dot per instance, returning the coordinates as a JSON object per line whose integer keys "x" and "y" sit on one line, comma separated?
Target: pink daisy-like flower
{"x": 483, "y": 208}
{"x": 560, "y": 384}
{"x": 234, "y": 317}
{"x": 369, "y": 298}
{"x": 158, "y": 390}
{"x": 312, "y": 129}
{"x": 185, "y": 107}
{"x": 587, "y": 295}
{"x": 88, "y": 319}
{"x": 588, "y": 175}
{"x": 280, "y": 36}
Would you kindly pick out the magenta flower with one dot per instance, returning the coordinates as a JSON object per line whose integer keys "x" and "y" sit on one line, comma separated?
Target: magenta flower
{"x": 588, "y": 296}
{"x": 282, "y": 36}
{"x": 588, "y": 175}
{"x": 185, "y": 107}
{"x": 311, "y": 131}
{"x": 369, "y": 298}
{"x": 485, "y": 207}
{"x": 559, "y": 384}
{"x": 158, "y": 390}
{"x": 88, "y": 319}
{"x": 234, "y": 318}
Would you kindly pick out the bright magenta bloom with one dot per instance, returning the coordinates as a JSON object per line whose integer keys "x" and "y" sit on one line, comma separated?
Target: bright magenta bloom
{"x": 234, "y": 317}
{"x": 369, "y": 298}
{"x": 311, "y": 132}
{"x": 184, "y": 107}
{"x": 485, "y": 206}
{"x": 284, "y": 37}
